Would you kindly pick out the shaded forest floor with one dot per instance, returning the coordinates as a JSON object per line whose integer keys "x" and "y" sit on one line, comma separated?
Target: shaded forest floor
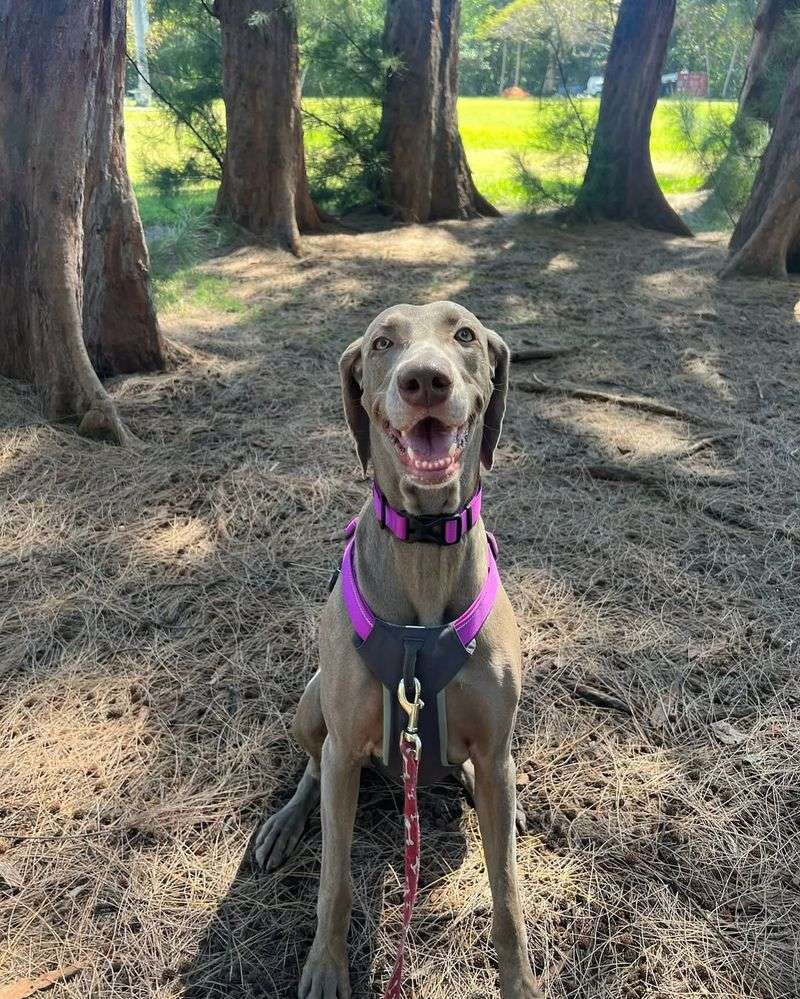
{"x": 159, "y": 607}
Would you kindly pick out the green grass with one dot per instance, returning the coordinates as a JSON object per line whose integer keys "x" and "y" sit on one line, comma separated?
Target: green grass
{"x": 493, "y": 130}
{"x": 188, "y": 290}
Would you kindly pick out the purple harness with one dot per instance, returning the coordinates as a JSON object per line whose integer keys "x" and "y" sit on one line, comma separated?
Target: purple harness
{"x": 433, "y": 656}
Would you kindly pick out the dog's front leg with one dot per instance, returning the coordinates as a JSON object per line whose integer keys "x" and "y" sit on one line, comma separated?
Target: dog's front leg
{"x": 326, "y": 974}
{"x": 495, "y": 801}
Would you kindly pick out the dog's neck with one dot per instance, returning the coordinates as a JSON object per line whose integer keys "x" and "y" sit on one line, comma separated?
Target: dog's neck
{"x": 413, "y": 582}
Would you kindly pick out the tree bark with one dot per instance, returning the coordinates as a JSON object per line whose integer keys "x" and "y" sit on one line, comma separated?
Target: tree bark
{"x": 766, "y": 240}
{"x": 769, "y": 62}
{"x": 74, "y": 280}
{"x": 427, "y": 173}
{"x": 620, "y": 182}
{"x": 772, "y": 55}
{"x": 731, "y": 67}
{"x": 264, "y": 184}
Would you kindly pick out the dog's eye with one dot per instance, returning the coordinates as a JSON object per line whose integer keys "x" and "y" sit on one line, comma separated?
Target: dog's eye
{"x": 381, "y": 343}
{"x": 464, "y": 335}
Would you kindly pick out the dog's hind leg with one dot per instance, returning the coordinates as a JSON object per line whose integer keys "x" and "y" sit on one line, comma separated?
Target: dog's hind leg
{"x": 280, "y": 833}
{"x": 466, "y": 778}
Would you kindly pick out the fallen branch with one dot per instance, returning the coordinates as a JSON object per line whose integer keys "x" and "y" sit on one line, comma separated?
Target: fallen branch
{"x": 537, "y": 386}
{"x": 728, "y": 517}
{"x": 542, "y": 353}
{"x": 599, "y": 698}
{"x": 25, "y": 987}
{"x": 622, "y": 473}
{"x": 703, "y": 444}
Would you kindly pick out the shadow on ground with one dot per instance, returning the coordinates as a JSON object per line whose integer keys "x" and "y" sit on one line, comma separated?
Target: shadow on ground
{"x": 237, "y": 958}
{"x": 161, "y": 611}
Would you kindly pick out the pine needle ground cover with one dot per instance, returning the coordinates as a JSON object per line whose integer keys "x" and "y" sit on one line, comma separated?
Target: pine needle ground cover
{"x": 160, "y": 605}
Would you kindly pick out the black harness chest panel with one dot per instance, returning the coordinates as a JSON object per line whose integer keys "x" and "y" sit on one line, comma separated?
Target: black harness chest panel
{"x": 434, "y": 656}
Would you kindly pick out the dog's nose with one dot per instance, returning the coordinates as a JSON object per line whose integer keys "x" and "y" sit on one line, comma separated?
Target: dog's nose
{"x": 424, "y": 385}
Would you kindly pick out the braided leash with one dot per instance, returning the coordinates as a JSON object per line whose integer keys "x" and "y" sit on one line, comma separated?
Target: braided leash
{"x": 410, "y": 750}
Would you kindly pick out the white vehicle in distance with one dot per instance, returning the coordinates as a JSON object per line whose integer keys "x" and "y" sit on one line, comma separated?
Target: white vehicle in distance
{"x": 594, "y": 86}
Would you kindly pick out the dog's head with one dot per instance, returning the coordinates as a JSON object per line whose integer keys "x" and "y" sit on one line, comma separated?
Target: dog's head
{"x": 424, "y": 395}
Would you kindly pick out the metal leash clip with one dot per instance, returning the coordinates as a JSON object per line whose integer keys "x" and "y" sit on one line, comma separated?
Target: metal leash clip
{"x": 412, "y": 709}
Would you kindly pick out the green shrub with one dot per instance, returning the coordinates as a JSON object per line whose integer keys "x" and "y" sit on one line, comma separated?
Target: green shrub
{"x": 565, "y": 132}
{"x": 704, "y": 132}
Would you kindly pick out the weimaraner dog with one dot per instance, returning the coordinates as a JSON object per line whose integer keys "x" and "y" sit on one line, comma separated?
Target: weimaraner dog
{"x": 424, "y": 395}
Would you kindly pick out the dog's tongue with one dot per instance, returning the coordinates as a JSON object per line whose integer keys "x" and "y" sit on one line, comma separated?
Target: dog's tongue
{"x": 430, "y": 440}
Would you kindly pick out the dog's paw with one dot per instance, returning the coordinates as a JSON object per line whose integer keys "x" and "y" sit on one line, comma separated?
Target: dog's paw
{"x": 278, "y": 836}
{"x": 525, "y": 988}
{"x": 324, "y": 978}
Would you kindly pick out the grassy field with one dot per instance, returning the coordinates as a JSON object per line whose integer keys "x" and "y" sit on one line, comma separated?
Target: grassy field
{"x": 493, "y": 130}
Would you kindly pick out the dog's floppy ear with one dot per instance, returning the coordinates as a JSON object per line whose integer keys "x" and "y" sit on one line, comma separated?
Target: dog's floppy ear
{"x": 499, "y": 357}
{"x": 356, "y": 415}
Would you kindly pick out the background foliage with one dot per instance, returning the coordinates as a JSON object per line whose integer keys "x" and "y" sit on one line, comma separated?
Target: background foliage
{"x": 525, "y": 155}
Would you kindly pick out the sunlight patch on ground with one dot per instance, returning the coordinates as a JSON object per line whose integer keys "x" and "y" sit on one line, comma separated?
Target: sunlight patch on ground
{"x": 705, "y": 369}
{"x": 562, "y": 262}
{"x": 190, "y": 537}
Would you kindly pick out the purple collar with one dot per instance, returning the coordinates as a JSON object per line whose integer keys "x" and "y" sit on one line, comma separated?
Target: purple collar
{"x": 466, "y": 626}
{"x": 436, "y": 529}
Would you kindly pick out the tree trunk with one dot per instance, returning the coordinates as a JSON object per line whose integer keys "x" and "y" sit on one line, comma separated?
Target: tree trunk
{"x": 766, "y": 240}
{"x": 428, "y": 176}
{"x": 773, "y": 52}
{"x": 264, "y": 184}
{"x": 75, "y": 267}
{"x": 502, "y": 86}
{"x": 769, "y": 62}
{"x": 620, "y": 182}
{"x": 141, "y": 26}
{"x": 731, "y": 68}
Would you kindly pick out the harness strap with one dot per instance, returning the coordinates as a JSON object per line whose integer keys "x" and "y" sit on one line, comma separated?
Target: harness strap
{"x": 466, "y": 625}
{"x": 361, "y": 617}
{"x": 410, "y": 652}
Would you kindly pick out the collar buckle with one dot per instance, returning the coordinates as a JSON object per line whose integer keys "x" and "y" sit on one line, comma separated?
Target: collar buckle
{"x": 430, "y": 529}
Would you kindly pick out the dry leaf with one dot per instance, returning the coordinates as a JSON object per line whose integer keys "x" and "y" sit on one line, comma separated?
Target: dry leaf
{"x": 666, "y": 710}
{"x": 24, "y": 987}
{"x": 726, "y": 733}
{"x": 10, "y": 874}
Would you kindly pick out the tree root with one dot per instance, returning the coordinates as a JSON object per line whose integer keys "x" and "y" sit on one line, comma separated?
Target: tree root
{"x": 645, "y": 405}
{"x": 102, "y": 422}
{"x": 729, "y": 517}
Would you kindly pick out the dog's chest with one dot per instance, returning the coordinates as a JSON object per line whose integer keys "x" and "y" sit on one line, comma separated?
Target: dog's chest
{"x": 398, "y": 654}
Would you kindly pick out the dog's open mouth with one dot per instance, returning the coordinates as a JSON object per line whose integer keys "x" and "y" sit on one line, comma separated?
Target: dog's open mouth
{"x": 430, "y": 450}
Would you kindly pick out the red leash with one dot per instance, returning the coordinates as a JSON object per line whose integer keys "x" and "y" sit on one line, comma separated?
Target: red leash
{"x": 410, "y": 750}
